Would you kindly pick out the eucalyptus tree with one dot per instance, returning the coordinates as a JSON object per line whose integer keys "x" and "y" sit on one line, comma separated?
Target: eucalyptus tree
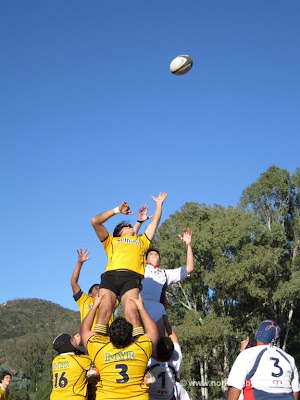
{"x": 274, "y": 198}
{"x": 237, "y": 270}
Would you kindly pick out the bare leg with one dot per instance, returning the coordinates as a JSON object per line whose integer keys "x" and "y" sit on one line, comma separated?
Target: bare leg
{"x": 130, "y": 311}
{"x": 107, "y": 306}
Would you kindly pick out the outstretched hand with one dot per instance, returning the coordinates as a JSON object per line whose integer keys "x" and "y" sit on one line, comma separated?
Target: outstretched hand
{"x": 138, "y": 302}
{"x": 83, "y": 255}
{"x": 98, "y": 299}
{"x": 160, "y": 198}
{"x": 124, "y": 208}
{"x": 143, "y": 213}
{"x": 187, "y": 237}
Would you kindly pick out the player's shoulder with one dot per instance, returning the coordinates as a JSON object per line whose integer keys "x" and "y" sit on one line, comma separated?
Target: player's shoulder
{"x": 177, "y": 348}
{"x": 81, "y": 357}
{"x": 284, "y": 354}
{"x": 142, "y": 339}
{"x": 108, "y": 239}
{"x": 98, "y": 339}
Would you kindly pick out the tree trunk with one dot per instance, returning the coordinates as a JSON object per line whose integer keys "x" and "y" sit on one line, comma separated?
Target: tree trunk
{"x": 204, "y": 379}
{"x": 225, "y": 369}
{"x": 288, "y": 327}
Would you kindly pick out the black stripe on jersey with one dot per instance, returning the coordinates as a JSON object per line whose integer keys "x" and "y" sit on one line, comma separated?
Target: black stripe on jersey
{"x": 255, "y": 365}
{"x": 163, "y": 291}
{"x": 153, "y": 366}
{"x": 174, "y": 372}
{"x": 83, "y": 370}
{"x": 143, "y": 341}
{"x": 77, "y": 295}
{"x": 100, "y": 350}
{"x": 147, "y": 237}
{"x": 104, "y": 239}
{"x": 285, "y": 357}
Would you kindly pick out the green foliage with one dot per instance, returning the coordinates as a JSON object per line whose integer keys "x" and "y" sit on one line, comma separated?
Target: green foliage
{"x": 28, "y": 327}
{"x": 247, "y": 269}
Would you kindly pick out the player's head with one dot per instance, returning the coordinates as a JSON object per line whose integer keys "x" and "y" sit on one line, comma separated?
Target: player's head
{"x": 64, "y": 343}
{"x": 93, "y": 290}
{"x": 267, "y": 332}
{"x": 153, "y": 256}
{"x": 123, "y": 228}
{"x": 76, "y": 340}
{"x": 164, "y": 348}
{"x": 120, "y": 333}
{"x": 250, "y": 341}
{"x": 5, "y": 378}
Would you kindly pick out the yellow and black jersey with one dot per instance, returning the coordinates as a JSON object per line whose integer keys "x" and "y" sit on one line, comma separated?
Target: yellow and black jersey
{"x": 121, "y": 370}
{"x": 69, "y": 377}
{"x": 126, "y": 252}
{"x": 3, "y": 394}
{"x": 85, "y": 303}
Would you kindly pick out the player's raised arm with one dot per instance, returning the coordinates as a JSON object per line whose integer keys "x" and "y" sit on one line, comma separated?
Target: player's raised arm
{"x": 151, "y": 228}
{"x": 99, "y": 219}
{"x": 142, "y": 217}
{"x": 149, "y": 325}
{"x": 82, "y": 257}
{"x": 187, "y": 240}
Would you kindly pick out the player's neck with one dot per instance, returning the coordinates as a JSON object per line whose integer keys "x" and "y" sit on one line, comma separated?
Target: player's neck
{"x": 4, "y": 388}
{"x": 154, "y": 266}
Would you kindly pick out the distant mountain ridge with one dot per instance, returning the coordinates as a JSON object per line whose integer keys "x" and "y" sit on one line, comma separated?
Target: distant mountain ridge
{"x": 25, "y": 320}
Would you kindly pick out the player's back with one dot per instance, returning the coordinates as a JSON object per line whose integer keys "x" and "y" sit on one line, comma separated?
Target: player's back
{"x": 121, "y": 370}
{"x": 165, "y": 379}
{"x": 165, "y": 374}
{"x": 69, "y": 379}
{"x": 271, "y": 370}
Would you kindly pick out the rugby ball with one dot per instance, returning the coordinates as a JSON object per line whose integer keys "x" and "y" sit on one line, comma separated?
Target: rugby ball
{"x": 181, "y": 65}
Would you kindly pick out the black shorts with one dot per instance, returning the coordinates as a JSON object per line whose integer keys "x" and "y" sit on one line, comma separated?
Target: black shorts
{"x": 120, "y": 282}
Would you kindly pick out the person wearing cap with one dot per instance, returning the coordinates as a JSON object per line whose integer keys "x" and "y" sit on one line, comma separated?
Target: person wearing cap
{"x": 126, "y": 263}
{"x": 120, "y": 358}
{"x": 264, "y": 371}
{"x": 5, "y": 381}
{"x": 69, "y": 369}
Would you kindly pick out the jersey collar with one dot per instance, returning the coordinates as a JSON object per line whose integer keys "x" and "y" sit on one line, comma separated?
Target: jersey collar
{"x": 152, "y": 265}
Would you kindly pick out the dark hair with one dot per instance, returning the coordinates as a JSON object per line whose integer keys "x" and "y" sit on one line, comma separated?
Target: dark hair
{"x": 92, "y": 287}
{"x": 119, "y": 227}
{"x": 4, "y": 373}
{"x": 120, "y": 333}
{"x": 164, "y": 348}
{"x": 62, "y": 344}
{"x": 152, "y": 249}
{"x": 252, "y": 341}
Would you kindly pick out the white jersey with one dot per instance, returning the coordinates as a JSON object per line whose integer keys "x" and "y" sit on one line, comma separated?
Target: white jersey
{"x": 155, "y": 283}
{"x": 264, "y": 370}
{"x": 180, "y": 392}
{"x": 165, "y": 374}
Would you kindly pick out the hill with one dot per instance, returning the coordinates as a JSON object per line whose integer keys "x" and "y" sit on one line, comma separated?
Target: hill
{"x": 25, "y": 321}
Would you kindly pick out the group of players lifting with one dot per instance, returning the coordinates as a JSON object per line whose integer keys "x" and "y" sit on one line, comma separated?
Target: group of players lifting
{"x": 124, "y": 357}
{"x": 130, "y": 357}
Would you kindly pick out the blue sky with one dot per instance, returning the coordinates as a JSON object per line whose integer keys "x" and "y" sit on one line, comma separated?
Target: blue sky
{"x": 92, "y": 116}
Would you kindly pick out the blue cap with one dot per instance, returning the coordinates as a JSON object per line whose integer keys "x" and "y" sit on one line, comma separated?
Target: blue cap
{"x": 267, "y": 332}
